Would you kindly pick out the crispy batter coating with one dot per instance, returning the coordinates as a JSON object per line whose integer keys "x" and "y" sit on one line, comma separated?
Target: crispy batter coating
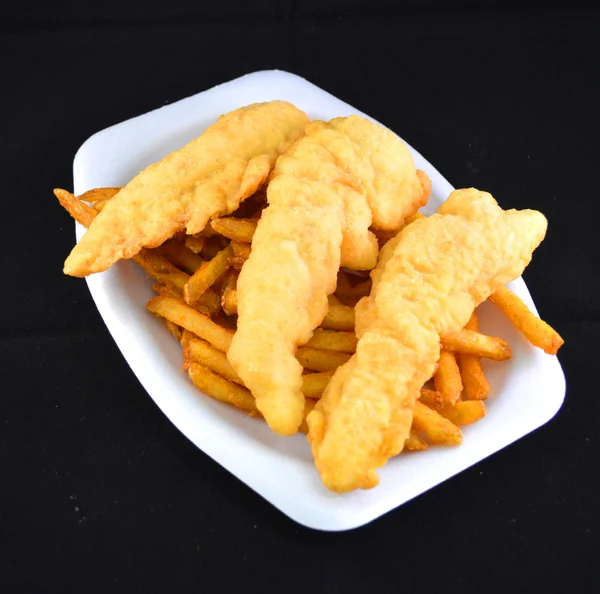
{"x": 427, "y": 283}
{"x": 208, "y": 177}
{"x": 321, "y": 198}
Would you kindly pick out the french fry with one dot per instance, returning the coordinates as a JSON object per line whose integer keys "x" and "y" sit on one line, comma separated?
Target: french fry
{"x": 535, "y": 330}
{"x": 308, "y": 406}
{"x": 212, "y": 246}
{"x": 181, "y": 256}
{"x": 319, "y": 360}
{"x": 174, "y": 329}
{"x": 100, "y": 204}
{"x": 160, "y": 269}
{"x": 187, "y": 317}
{"x": 447, "y": 379}
{"x": 79, "y": 210}
{"x": 219, "y": 388}
{"x": 436, "y": 429}
{"x": 229, "y": 302}
{"x": 332, "y": 340}
{"x": 195, "y": 243}
{"x": 314, "y": 384}
{"x": 241, "y": 252}
{"x": 464, "y": 412}
{"x": 473, "y": 343}
{"x": 204, "y": 353}
{"x": 414, "y": 442}
{"x": 229, "y": 293}
{"x": 475, "y": 384}
{"x": 167, "y": 290}
{"x": 241, "y": 230}
{"x": 206, "y": 276}
{"x": 431, "y": 398}
{"x": 98, "y": 194}
{"x": 339, "y": 316}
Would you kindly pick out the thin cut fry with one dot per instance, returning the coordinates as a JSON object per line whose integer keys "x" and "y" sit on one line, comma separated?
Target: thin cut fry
{"x": 229, "y": 303}
{"x": 475, "y": 384}
{"x": 474, "y": 343}
{"x": 436, "y": 429}
{"x": 241, "y": 252}
{"x": 431, "y": 398}
{"x": 320, "y": 360}
{"x": 241, "y": 230}
{"x": 219, "y": 388}
{"x": 314, "y": 384}
{"x": 536, "y": 331}
{"x": 98, "y": 194}
{"x": 204, "y": 353}
{"x": 167, "y": 290}
{"x": 331, "y": 340}
{"x": 414, "y": 442}
{"x": 79, "y": 210}
{"x": 464, "y": 412}
{"x": 160, "y": 269}
{"x": 447, "y": 379}
{"x": 174, "y": 329}
{"x": 195, "y": 243}
{"x": 187, "y": 317}
{"x": 339, "y": 316}
{"x": 207, "y": 275}
{"x": 181, "y": 256}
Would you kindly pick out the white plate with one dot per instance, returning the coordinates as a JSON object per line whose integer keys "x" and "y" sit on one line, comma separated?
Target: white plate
{"x": 526, "y": 391}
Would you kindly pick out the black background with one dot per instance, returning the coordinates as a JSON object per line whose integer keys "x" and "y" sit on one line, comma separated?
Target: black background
{"x": 99, "y": 492}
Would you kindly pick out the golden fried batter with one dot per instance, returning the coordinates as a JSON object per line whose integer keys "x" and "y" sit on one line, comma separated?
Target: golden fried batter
{"x": 427, "y": 283}
{"x": 208, "y": 177}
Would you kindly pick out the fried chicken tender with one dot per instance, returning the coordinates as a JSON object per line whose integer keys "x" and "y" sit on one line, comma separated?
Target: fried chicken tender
{"x": 207, "y": 178}
{"x": 427, "y": 283}
{"x": 321, "y": 198}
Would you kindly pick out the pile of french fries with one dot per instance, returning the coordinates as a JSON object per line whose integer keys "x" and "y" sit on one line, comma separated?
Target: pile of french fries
{"x": 195, "y": 279}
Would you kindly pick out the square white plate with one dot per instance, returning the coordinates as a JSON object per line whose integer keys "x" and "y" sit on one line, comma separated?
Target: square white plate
{"x": 526, "y": 391}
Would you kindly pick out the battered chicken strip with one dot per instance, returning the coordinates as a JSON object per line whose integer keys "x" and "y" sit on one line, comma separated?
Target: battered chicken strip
{"x": 320, "y": 198}
{"x": 207, "y": 178}
{"x": 427, "y": 283}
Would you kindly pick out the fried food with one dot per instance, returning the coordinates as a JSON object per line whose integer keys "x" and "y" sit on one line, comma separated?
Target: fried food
{"x": 475, "y": 384}
{"x": 536, "y": 331}
{"x": 207, "y": 178}
{"x": 472, "y": 342}
{"x": 427, "y": 284}
{"x": 447, "y": 378}
{"x": 325, "y": 188}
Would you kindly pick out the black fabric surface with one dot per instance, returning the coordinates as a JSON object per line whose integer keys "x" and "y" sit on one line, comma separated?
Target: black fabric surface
{"x": 98, "y": 491}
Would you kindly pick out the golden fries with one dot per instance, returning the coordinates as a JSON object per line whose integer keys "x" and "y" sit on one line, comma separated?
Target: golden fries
{"x": 330, "y": 340}
{"x": 314, "y": 384}
{"x": 181, "y": 256}
{"x": 160, "y": 269}
{"x": 241, "y": 252}
{"x": 320, "y": 360}
{"x": 229, "y": 293}
{"x": 414, "y": 442}
{"x": 219, "y": 388}
{"x": 472, "y": 342}
{"x": 79, "y": 210}
{"x": 206, "y": 276}
{"x": 204, "y": 353}
{"x": 436, "y": 429}
{"x": 535, "y": 330}
{"x": 174, "y": 329}
{"x": 447, "y": 378}
{"x": 241, "y": 230}
{"x": 98, "y": 194}
{"x": 464, "y": 412}
{"x": 431, "y": 398}
{"x": 475, "y": 384}
{"x": 187, "y": 317}
{"x": 195, "y": 243}
{"x": 339, "y": 316}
